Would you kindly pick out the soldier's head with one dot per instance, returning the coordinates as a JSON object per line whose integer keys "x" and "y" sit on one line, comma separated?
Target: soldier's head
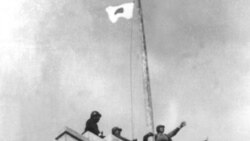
{"x": 116, "y": 131}
{"x": 95, "y": 115}
{"x": 160, "y": 128}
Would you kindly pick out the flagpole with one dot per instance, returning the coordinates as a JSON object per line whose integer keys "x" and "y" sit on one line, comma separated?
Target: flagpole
{"x": 146, "y": 79}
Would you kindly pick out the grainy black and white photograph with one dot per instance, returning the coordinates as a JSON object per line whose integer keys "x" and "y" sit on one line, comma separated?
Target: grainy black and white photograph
{"x": 124, "y": 70}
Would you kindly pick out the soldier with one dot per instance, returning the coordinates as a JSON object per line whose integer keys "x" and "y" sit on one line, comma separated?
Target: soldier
{"x": 116, "y": 131}
{"x": 91, "y": 124}
{"x": 160, "y": 136}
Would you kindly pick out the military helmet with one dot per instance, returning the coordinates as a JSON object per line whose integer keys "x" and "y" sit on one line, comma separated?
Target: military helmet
{"x": 158, "y": 128}
{"x": 115, "y": 129}
{"x": 95, "y": 114}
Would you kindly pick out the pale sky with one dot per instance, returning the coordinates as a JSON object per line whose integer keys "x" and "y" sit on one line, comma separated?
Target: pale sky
{"x": 62, "y": 59}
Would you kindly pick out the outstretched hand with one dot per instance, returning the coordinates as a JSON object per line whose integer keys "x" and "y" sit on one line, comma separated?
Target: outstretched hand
{"x": 182, "y": 124}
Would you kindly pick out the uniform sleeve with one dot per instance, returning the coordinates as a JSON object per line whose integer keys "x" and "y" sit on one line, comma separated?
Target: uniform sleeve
{"x": 173, "y": 133}
{"x": 123, "y": 138}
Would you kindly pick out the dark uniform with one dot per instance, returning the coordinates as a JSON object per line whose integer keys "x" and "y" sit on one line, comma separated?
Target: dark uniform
{"x": 167, "y": 137}
{"x": 91, "y": 124}
{"x": 160, "y": 136}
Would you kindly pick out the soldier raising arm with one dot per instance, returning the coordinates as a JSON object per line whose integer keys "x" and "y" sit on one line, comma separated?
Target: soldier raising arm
{"x": 160, "y": 136}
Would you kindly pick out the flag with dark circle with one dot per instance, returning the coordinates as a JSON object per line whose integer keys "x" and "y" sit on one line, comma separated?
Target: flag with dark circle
{"x": 124, "y": 10}
{"x": 119, "y": 10}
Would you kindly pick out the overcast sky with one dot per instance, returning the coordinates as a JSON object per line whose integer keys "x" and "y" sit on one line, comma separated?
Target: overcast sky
{"x": 61, "y": 59}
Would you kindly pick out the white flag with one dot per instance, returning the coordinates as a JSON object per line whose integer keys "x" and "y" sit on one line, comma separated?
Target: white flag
{"x": 124, "y": 10}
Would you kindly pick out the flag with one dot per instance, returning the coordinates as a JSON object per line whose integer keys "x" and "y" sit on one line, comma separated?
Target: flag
{"x": 121, "y": 11}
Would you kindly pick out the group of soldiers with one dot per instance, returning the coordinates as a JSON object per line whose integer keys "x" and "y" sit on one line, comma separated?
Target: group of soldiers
{"x": 91, "y": 126}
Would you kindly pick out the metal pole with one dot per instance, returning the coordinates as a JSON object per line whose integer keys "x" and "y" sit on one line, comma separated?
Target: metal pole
{"x": 146, "y": 79}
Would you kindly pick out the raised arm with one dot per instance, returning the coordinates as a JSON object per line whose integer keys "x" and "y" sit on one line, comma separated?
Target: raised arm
{"x": 176, "y": 130}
